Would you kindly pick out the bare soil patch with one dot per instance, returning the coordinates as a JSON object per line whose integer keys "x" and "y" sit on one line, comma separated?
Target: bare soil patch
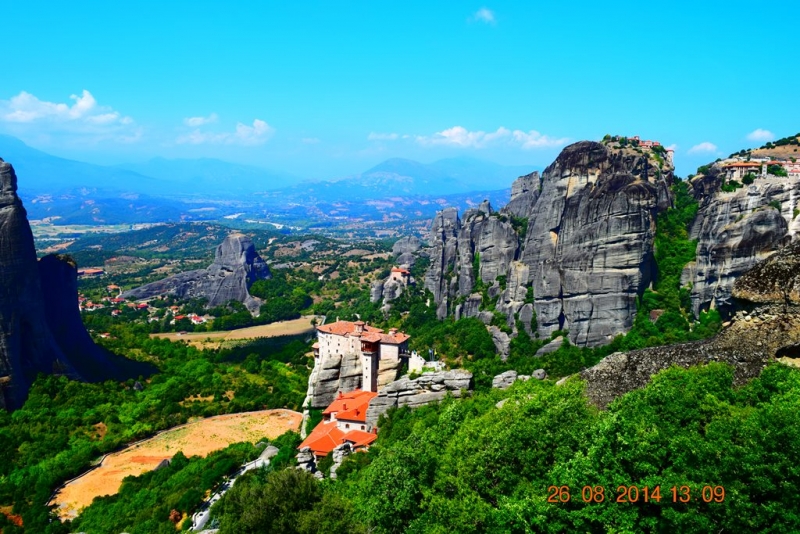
{"x": 203, "y": 340}
{"x": 198, "y": 438}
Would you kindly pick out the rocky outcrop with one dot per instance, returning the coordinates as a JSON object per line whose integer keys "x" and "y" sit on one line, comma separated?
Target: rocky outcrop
{"x": 776, "y": 280}
{"x": 426, "y": 389}
{"x": 443, "y": 248}
{"x": 502, "y": 342}
{"x": 339, "y": 454}
{"x": 769, "y": 328}
{"x": 483, "y": 239}
{"x": 589, "y": 245}
{"x": 748, "y": 345}
{"x": 587, "y": 254}
{"x": 236, "y": 266}
{"x": 337, "y": 372}
{"x": 524, "y": 193}
{"x": 41, "y": 334}
{"x": 735, "y": 231}
{"x": 405, "y": 248}
{"x": 343, "y": 372}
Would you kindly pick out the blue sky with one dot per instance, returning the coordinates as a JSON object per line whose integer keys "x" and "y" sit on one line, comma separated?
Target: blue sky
{"x": 322, "y": 89}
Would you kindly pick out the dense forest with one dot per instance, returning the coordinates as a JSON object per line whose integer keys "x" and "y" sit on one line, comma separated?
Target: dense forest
{"x": 537, "y": 458}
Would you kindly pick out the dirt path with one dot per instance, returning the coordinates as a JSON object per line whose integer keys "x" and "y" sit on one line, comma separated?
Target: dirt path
{"x": 282, "y": 328}
{"x": 198, "y": 438}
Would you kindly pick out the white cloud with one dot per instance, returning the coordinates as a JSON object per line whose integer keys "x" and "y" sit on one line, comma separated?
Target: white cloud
{"x": 246, "y": 135}
{"x": 760, "y": 135}
{"x": 25, "y": 112}
{"x": 194, "y": 122}
{"x": 484, "y": 15}
{"x": 373, "y": 136}
{"x": 703, "y": 148}
{"x": 458, "y": 136}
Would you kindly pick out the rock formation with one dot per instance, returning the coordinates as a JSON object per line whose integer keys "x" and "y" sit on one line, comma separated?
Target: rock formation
{"x": 775, "y": 280}
{"x": 428, "y": 388}
{"x": 404, "y": 250}
{"x": 589, "y": 243}
{"x": 524, "y": 193}
{"x": 768, "y": 326}
{"x": 236, "y": 266}
{"x": 735, "y": 231}
{"x": 342, "y": 372}
{"x": 585, "y": 258}
{"x": 454, "y": 247}
{"x": 40, "y": 329}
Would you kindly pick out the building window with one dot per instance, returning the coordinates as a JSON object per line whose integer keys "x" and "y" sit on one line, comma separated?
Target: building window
{"x": 347, "y": 425}
{"x": 362, "y": 427}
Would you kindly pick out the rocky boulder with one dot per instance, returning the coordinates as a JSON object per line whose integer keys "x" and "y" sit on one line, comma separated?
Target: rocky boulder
{"x": 426, "y": 389}
{"x": 776, "y": 280}
{"x": 236, "y": 266}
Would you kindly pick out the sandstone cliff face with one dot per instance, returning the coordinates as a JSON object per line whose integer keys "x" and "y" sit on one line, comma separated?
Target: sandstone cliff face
{"x": 734, "y": 232}
{"x": 589, "y": 244}
{"x": 28, "y": 321}
{"x": 236, "y": 266}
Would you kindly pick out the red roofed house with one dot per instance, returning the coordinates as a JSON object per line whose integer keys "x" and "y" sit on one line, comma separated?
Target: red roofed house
{"x": 344, "y": 421}
{"x": 401, "y": 275}
{"x": 372, "y": 344}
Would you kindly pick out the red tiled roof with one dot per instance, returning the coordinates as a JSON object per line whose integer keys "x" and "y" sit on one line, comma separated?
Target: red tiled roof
{"x": 400, "y": 270}
{"x": 351, "y": 406}
{"x": 341, "y": 328}
{"x": 326, "y": 436}
{"x": 323, "y": 439}
{"x": 359, "y": 438}
{"x": 390, "y": 339}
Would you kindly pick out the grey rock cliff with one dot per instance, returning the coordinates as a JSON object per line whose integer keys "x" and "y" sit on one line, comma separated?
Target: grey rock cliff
{"x": 38, "y": 334}
{"x": 769, "y": 328}
{"x": 734, "y": 232}
{"x": 589, "y": 245}
{"x": 236, "y": 266}
{"x": 428, "y": 388}
{"x": 455, "y": 245}
{"x": 524, "y": 194}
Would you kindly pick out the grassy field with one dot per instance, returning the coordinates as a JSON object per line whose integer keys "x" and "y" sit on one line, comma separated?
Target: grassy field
{"x": 204, "y": 340}
{"x": 198, "y": 438}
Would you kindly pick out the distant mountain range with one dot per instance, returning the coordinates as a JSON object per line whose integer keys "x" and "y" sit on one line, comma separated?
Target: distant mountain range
{"x": 191, "y": 189}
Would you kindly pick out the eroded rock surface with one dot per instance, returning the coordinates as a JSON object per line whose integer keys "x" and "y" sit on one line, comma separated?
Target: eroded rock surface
{"x": 428, "y": 388}
{"x": 589, "y": 245}
{"x": 769, "y": 327}
{"x": 734, "y": 232}
{"x": 236, "y": 266}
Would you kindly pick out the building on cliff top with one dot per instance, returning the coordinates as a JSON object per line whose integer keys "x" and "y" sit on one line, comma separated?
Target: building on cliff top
{"x": 344, "y": 421}
{"x": 370, "y": 343}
